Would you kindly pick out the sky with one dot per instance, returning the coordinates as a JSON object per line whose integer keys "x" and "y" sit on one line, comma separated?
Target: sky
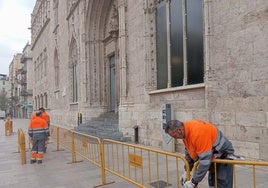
{"x": 15, "y": 19}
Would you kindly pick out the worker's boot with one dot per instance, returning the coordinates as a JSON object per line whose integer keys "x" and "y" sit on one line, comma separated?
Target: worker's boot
{"x": 39, "y": 161}
{"x": 32, "y": 161}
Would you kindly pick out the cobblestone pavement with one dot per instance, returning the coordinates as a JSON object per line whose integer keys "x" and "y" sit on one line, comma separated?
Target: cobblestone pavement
{"x": 57, "y": 171}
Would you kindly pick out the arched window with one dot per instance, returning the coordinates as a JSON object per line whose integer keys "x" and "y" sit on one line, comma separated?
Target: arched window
{"x": 45, "y": 100}
{"x": 56, "y": 68}
{"x": 41, "y": 101}
{"x": 74, "y": 71}
{"x": 55, "y": 9}
{"x": 36, "y": 102}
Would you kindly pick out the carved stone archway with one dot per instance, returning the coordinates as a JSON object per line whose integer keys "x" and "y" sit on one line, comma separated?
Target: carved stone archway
{"x": 101, "y": 45}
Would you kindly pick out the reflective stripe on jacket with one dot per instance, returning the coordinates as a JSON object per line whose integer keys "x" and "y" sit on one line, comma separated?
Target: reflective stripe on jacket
{"x": 201, "y": 140}
{"x": 38, "y": 126}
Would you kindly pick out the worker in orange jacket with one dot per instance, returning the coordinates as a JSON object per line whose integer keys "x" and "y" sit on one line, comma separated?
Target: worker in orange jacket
{"x": 38, "y": 131}
{"x": 33, "y": 115}
{"x": 46, "y": 117}
{"x": 203, "y": 142}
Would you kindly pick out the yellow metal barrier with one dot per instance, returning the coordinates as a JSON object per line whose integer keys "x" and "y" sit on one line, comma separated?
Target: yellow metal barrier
{"x": 8, "y": 127}
{"x": 139, "y": 165}
{"x": 239, "y": 177}
{"x": 64, "y": 137}
{"x": 21, "y": 145}
{"x": 19, "y": 130}
{"x": 84, "y": 145}
{"x": 144, "y": 166}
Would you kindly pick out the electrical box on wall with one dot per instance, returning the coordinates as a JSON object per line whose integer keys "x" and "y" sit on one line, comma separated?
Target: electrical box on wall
{"x": 168, "y": 142}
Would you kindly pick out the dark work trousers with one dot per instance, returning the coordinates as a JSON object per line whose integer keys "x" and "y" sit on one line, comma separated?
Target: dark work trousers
{"x": 224, "y": 175}
{"x": 38, "y": 145}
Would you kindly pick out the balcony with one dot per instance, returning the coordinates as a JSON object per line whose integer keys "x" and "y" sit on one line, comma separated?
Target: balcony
{"x": 22, "y": 81}
{"x": 23, "y": 71}
{"x": 14, "y": 98}
{"x": 27, "y": 92}
{"x": 24, "y": 58}
{"x": 30, "y": 91}
{"x": 23, "y": 93}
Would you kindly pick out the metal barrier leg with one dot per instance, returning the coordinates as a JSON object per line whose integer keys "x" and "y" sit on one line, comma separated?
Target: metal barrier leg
{"x": 22, "y": 146}
{"x": 103, "y": 174}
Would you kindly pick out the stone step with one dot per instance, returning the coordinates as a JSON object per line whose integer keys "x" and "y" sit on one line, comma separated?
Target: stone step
{"x": 99, "y": 123}
{"x": 106, "y": 126}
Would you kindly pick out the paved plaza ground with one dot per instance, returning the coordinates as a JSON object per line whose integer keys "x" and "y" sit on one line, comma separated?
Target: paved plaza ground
{"x": 57, "y": 171}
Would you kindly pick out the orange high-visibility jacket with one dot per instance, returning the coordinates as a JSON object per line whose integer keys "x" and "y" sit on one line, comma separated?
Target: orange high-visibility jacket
{"x": 37, "y": 126}
{"x": 199, "y": 137}
{"x": 45, "y": 116}
{"x": 202, "y": 140}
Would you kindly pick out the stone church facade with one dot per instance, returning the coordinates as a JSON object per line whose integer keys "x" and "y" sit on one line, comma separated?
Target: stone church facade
{"x": 207, "y": 59}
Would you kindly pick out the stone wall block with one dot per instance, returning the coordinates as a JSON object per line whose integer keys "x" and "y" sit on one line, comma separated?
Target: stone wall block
{"x": 260, "y": 73}
{"x": 264, "y": 135}
{"x": 264, "y": 151}
{"x": 183, "y": 116}
{"x": 241, "y": 133}
{"x": 256, "y": 119}
{"x": 202, "y": 114}
{"x": 223, "y": 118}
{"x": 266, "y": 119}
{"x": 249, "y": 149}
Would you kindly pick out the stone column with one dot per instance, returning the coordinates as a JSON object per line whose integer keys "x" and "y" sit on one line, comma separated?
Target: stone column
{"x": 122, "y": 54}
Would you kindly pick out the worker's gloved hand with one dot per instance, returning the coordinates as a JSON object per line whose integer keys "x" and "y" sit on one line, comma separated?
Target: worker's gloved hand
{"x": 183, "y": 178}
{"x": 188, "y": 184}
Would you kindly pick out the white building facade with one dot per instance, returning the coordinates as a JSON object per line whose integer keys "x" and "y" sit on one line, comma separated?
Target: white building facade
{"x": 207, "y": 59}
{"x": 5, "y": 91}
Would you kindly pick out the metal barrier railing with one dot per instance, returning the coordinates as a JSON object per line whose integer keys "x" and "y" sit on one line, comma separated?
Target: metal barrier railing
{"x": 144, "y": 166}
{"x": 63, "y": 136}
{"x": 139, "y": 165}
{"x": 22, "y": 146}
{"x": 19, "y": 134}
{"x": 84, "y": 145}
{"x": 252, "y": 164}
